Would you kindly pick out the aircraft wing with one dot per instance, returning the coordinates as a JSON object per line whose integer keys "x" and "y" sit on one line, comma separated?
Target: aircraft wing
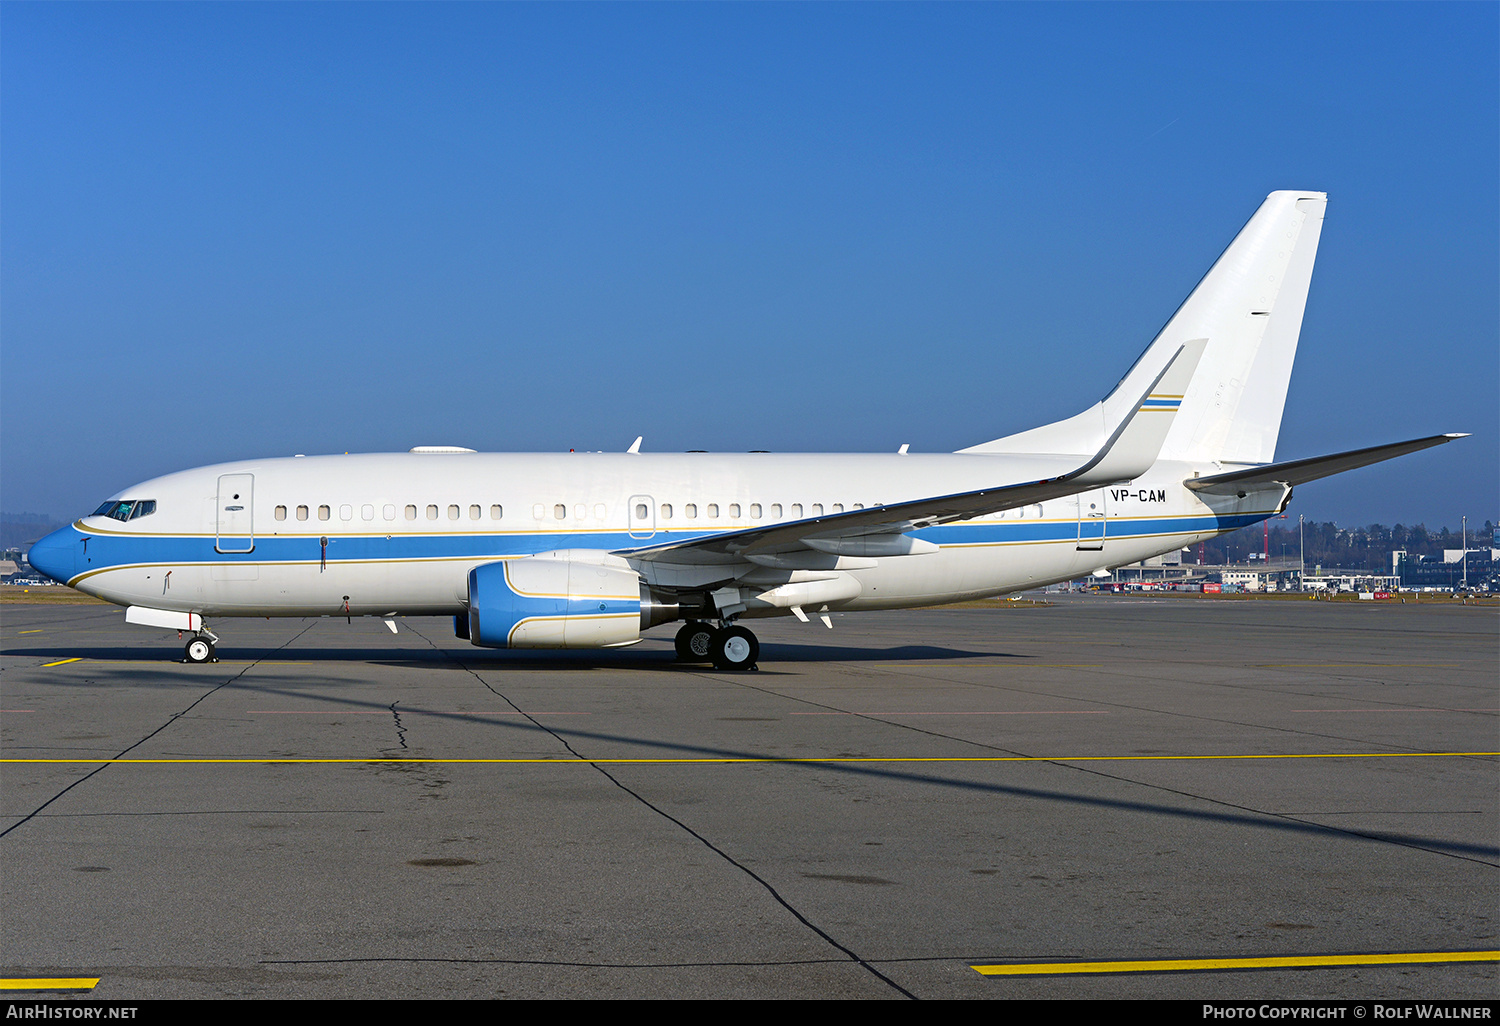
{"x": 1129, "y": 452}
{"x": 1295, "y": 472}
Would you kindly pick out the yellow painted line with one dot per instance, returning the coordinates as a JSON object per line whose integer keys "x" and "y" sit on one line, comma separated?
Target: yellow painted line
{"x": 51, "y": 983}
{"x": 1179, "y": 965}
{"x": 37, "y": 631}
{"x": 62, "y": 661}
{"x": 1397, "y": 710}
{"x": 1362, "y": 666}
{"x": 152, "y": 655}
{"x": 991, "y": 666}
{"x": 754, "y": 759}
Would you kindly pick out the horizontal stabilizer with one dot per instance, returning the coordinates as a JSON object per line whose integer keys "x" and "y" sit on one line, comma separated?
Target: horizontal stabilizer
{"x": 1295, "y": 472}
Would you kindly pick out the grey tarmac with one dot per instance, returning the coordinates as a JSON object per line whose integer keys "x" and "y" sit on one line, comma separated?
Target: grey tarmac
{"x": 332, "y": 810}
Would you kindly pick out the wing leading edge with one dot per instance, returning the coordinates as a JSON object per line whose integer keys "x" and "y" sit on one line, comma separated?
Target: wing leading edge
{"x": 1129, "y": 452}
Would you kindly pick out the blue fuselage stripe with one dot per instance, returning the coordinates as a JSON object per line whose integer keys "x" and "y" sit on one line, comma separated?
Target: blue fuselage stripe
{"x": 105, "y": 551}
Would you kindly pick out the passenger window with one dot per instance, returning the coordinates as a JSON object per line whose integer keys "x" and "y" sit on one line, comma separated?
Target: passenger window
{"x": 690, "y": 511}
{"x": 775, "y": 511}
{"x": 641, "y": 512}
{"x": 560, "y": 512}
{"x": 600, "y": 511}
{"x": 411, "y": 512}
{"x": 346, "y": 512}
{"x": 838, "y": 507}
{"x": 796, "y": 511}
{"x": 323, "y": 512}
{"x": 431, "y": 512}
{"x": 280, "y": 513}
{"x": 755, "y": 511}
{"x": 859, "y": 505}
{"x": 301, "y": 512}
{"x": 452, "y": 512}
{"x": 666, "y": 511}
{"x": 734, "y": 510}
{"x": 475, "y": 512}
{"x": 713, "y": 511}
{"x": 817, "y": 509}
{"x": 497, "y": 511}
{"x": 367, "y": 512}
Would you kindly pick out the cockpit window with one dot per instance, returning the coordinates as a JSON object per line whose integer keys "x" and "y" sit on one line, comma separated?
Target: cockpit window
{"x": 126, "y": 509}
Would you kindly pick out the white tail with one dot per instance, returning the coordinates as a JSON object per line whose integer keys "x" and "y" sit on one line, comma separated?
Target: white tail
{"x": 1249, "y": 309}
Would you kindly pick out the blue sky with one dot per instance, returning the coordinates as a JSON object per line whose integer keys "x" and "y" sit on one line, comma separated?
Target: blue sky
{"x": 230, "y": 231}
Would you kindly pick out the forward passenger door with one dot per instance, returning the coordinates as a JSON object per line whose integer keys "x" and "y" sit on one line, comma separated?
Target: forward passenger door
{"x": 235, "y": 528}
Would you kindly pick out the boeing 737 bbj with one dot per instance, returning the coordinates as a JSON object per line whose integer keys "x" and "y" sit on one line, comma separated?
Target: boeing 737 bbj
{"x": 588, "y": 550}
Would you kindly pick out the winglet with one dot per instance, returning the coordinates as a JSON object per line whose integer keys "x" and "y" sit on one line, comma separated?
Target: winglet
{"x": 635, "y": 446}
{"x": 1138, "y": 439}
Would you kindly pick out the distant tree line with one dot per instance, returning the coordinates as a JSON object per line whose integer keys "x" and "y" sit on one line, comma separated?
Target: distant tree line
{"x": 1328, "y": 544}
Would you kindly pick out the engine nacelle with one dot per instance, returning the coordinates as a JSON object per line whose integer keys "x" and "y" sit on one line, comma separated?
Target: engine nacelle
{"x": 575, "y": 598}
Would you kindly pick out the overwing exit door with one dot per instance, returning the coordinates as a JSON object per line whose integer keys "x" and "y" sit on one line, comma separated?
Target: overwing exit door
{"x": 642, "y": 516}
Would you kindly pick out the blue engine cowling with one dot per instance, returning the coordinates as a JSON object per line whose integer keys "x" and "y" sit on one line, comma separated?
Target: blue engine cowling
{"x": 576, "y": 598}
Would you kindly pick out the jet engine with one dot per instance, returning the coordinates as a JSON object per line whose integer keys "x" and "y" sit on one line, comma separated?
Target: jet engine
{"x": 574, "y": 598}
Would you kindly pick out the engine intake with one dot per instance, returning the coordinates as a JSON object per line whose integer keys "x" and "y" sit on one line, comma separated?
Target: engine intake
{"x": 575, "y": 598}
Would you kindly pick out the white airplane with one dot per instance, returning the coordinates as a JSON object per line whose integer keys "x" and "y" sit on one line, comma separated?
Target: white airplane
{"x": 587, "y": 550}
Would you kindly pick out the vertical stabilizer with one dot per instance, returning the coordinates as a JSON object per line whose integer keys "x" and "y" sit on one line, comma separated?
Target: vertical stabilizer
{"x": 1249, "y": 309}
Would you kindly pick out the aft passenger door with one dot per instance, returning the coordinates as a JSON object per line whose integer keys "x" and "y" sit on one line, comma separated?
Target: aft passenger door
{"x": 1092, "y": 521}
{"x": 234, "y": 529}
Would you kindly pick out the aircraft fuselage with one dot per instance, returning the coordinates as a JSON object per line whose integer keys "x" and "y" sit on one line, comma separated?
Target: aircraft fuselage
{"x": 399, "y": 533}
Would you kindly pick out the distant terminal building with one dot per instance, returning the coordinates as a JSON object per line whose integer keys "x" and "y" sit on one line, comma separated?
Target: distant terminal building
{"x": 1482, "y": 567}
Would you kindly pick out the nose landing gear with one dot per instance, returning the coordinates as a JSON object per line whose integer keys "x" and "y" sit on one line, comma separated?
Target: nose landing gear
{"x": 201, "y": 648}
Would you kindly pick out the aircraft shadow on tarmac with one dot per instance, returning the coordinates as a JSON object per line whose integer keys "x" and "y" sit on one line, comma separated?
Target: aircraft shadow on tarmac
{"x": 647, "y": 748}
{"x": 774, "y": 656}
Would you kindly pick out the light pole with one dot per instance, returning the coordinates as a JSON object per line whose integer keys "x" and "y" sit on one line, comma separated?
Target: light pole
{"x": 1465, "y": 556}
{"x": 1301, "y": 557}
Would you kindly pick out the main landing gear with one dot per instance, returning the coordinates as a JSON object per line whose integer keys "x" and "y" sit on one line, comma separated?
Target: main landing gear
{"x": 729, "y": 647}
{"x": 200, "y": 648}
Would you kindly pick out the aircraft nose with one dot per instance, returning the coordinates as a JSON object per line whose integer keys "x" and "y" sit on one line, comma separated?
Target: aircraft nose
{"x": 54, "y": 555}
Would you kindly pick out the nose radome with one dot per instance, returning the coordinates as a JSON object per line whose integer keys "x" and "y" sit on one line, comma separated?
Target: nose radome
{"x": 54, "y": 555}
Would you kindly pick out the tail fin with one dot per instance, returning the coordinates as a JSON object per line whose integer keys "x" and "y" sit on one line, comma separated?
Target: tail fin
{"x": 1249, "y": 308}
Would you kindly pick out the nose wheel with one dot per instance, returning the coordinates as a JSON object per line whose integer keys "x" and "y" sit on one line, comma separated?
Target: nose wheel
{"x": 199, "y": 650}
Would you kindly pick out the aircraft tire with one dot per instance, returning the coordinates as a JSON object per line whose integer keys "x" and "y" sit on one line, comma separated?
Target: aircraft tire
{"x": 198, "y": 650}
{"x": 735, "y": 648}
{"x": 695, "y": 642}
